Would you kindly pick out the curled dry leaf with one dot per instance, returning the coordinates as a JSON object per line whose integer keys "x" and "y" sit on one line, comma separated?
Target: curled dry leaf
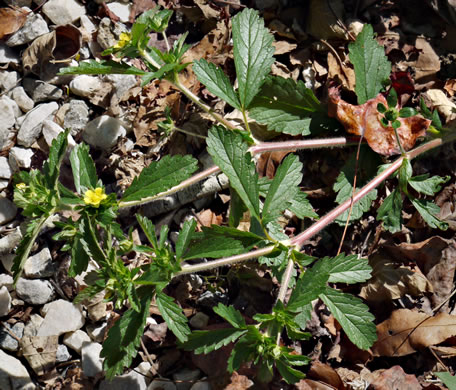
{"x": 364, "y": 120}
{"x": 395, "y": 378}
{"x": 12, "y": 19}
{"x": 407, "y": 331}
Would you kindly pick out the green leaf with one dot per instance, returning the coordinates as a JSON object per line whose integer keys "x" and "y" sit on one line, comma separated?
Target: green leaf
{"x": 348, "y": 269}
{"x": 229, "y": 152}
{"x": 237, "y": 209}
{"x": 353, "y": 315}
{"x": 301, "y": 207}
{"x": 247, "y": 239}
{"x": 285, "y": 106}
{"x": 391, "y": 99}
{"x": 230, "y": 314}
{"x": 253, "y": 53}
{"x": 79, "y": 259}
{"x": 51, "y": 168}
{"x": 390, "y": 212}
{"x": 427, "y": 185}
{"x": 381, "y": 108}
{"x": 428, "y": 210}
{"x": 205, "y": 341}
{"x": 160, "y": 176}
{"x": 371, "y": 65}
{"x": 149, "y": 230}
{"x": 215, "y": 248}
{"x": 405, "y": 173}
{"x": 289, "y": 374}
{"x": 407, "y": 112}
{"x": 123, "y": 339}
{"x": 102, "y": 67}
{"x": 173, "y": 316}
{"x": 283, "y": 188}
{"x": 84, "y": 171}
{"x": 447, "y": 379}
{"x": 216, "y": 82}
{"x": 185, "y": 236}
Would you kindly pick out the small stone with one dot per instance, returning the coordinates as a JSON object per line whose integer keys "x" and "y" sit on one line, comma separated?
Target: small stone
{"x": 62, "y": 354}
{"x": 23, "y": 100}
{"x": 97, "y": 332}
{"x": 10, "y": 241}
{"x": 76, "y": 116}
{"x": 34, "y": 26}
{"x": 5, "y": 169}
{"x": 85, "y": 85}
{"x": 162, "y": 384}
{"x": 105, "y": 37}
{"x": 13, "y": 374}
{"x": 97, "y": 311}
{"x": 199, "y": 320}
{"x": 40, "y": 91}
{"x": 50, "y": 132}
{"x": 203, "y": 385}
{"x": 103, "y": 132}
{"x": 55, "y": 323}
{"x": 33, "y": 325}
{"x": 8, "y": 55}
{"x": 75, "y": 340}
{"x": 121, "y": 10}
{"x": 63, "y": 11}
{"x": 7, "y": 341}
{"x": 35, "y": 291}
{"x": 122, "y": 83}
{"x": 8, "y": 80}
{"x": 87, "y": 24}
{"x": 20, "y": 158}
{"x": 185, "y": 377}
{"x": 6, "y": 281}
{"x": 7, "y": 121}
{"x": 209, "y": 299}
{"x": 195, "y": 281}
{"x": 39, "y": 265}
{"x": 7, "y": 261}
{"x": 33, "y": 122}
{"x": 8, "y": 211}
{"x": 92, "y": 364}
{"x": 144, "y": 369}
{"x": 130, "y": 381}
{"x": 5, "y": 301}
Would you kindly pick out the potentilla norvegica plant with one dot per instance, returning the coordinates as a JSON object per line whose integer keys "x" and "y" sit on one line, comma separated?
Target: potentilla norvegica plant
{"x": 284, "y": 106}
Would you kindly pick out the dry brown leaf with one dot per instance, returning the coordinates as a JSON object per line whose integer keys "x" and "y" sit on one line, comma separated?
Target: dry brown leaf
{"x": 139, "y": 6}
{"x": 207, "y": 9}
{"x": 12, "y": 19}
{"x": 428, "y": 63}
{"x": 325, "y": 373}
{"x": 394, "y": 379}
{"x": 393, "y": 281}
{"x": 341, "y": 72}
{"x": 450, "y": 87}
{"x": 283, "y": 47}
{"x": 444, "y": 106}
{"x": 269, "y": 161}
{"x": 365, "y": 120}
{"x": 40, "y": 352}
{"x": 208, "y": 218}
{"x": 407, "y": 331}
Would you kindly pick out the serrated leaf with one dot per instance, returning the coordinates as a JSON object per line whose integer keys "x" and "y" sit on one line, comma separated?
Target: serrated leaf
{"x": 79, "y": 259}
{"x": 102, "y": 67}
{"x": 371, "y": 65}
{"x": 230, "y": 314}
{"x": 447, "y": 379}
{"x": 149, "y": 230}
{"x": 390, "y": 212}
{"x": 237, "y": 209}
{"x": 185, "y": 236}
{"x": 253, "y": 53}
{"x": 51, "y": 168}
{"x": 285, "y": 106}
{"x": 173, "y": 316}
{"x": 247, "y": 239}
{"x": 348, "y": 269}
{"x": 353, "y": 315}
{"x": 283, "y": 188}
{"x": 229, "y": 152}
{"x": 428, "y": 211}
{"x": 160, "y": 176}
{"x": 123, "y": 339}
{"x": 83, "y": 167}
{"x": 289, "y": 374}
{"x": 301, "y": 207}
{"x": 216, "y": 81}
{"x": 405, "y": 173}
{"x": 216, "y": 248}
{"x": 427, "y": 185}
{"x": 204, "y": 341}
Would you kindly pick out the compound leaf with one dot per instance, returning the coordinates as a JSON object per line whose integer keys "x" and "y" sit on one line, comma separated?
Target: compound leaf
{"x": 205, "y": 341}
{"x": 301, "y": 207}
{"x": 83, "y": 167}
{"x": 185, "y": 236}
{"x": 253, "y": 53}
{"x": 371, "y": 65}
{"x": 230, "y": 314}
{"x": 427, "y": 185}
{"x": 390, "y": 212}
{"x": 102, "y": 67}
{"x": 173, "y": 316}
{"x": 428, "y": 211}
{"x": 214, "y": 248}
{"x": 51, "y": 168}
{"x": 284, "y": 106}
{"x": 348, "y": 269}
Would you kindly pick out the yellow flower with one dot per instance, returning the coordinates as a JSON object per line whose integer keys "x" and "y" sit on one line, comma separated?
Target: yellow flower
{"x": 124, "y": 38}
{"x": 21, "y": 186}
{"x": 94, "y": 198}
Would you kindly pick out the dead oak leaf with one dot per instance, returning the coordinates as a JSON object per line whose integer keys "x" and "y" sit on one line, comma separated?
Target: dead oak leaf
{"x": 364, "y": 120}
{"x": 12, "y": 20}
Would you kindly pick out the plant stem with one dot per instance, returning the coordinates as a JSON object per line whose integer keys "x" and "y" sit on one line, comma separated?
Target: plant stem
{"x": 285, "y": 280}
{"x": 189, "y": 133}
{"x": 168, "y": 48}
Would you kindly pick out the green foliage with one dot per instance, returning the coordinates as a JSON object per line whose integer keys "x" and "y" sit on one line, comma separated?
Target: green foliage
{"x": 102, "y": 67}
{"x": 172, "y": 314}
{"x": 371, "y": 65}
{"x": 84, "y": 171}
{"x": 447, "y": 379}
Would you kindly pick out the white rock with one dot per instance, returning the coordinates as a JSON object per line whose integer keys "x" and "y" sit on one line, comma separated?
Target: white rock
{"x": 39, "y": 265}
{"x": 199, "y": 320}
{"x": 7, "y": 261}
{"x": 121, "y": 10}
{"x": 5, "y": 169}
{"x": 84, "y": 85}
{"x": 33, "y": 122}
{"x": 97, "y": 332}
{"x": 6, "y": 281}
{"x": 63, "y": 11}
{"x": 40, "y": 91}
{"x": 34, "y": 26}
{"x": 5, "y": 301}
{"x": 92, "y": 364}
{"x": 7, "y": 341}
{"x": 51, "y": 130}
{"x": 144, "y": 369}
{"x": 13, "y": 374}
{"x": 62, "y": 354}
{"x": 8, "y": 80}
{"x": 87, "y": 24}
{"x": 161, "y": 384}
{"x": 33, "y": 325}
{"x": 122, "y": 83}
{"x": 185, "y": 377}
{"x": 55, "y": 323}
{"x": 20, "y": 158}
{"x": 7, "y": 120}
{"x": 76, "y": 116}
{"x": 103, "y": 132}
{"x": 97, "y": 311}
{"x": 10, "y": 241}
{"x": 201, "y": 386}
{"x": 35, "y": 291}
{"x": 130, "y": 381}
{"x": 74, "y": 340}
{"x": 23, "y": 100}
{"x": 8, "y": 55}
{"x": 8, "y": 210}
